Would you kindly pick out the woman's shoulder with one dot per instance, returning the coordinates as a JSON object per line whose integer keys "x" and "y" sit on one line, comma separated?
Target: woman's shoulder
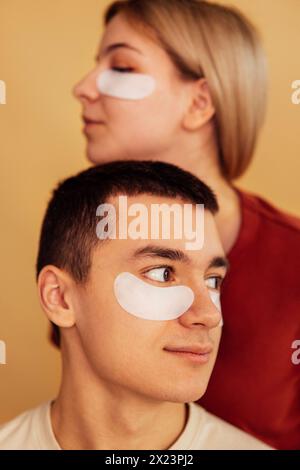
{"x": 273, "y": 218}
{"x": 265, "y": 230}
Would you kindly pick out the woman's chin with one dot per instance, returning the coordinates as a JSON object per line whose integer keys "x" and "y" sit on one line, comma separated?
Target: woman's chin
{"x": 96, "y": 155}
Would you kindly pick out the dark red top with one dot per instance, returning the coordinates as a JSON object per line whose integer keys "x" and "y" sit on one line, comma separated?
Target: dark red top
{"x": 255, "y": 384}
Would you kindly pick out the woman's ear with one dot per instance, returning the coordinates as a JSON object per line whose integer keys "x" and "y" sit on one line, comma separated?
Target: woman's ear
{"x": 54, "y": 287}
{"x": 201, "y": 108}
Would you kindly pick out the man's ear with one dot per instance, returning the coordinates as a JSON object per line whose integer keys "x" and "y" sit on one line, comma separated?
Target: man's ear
{"x": 54, "y": 287}
{"x": 201, "y": 108}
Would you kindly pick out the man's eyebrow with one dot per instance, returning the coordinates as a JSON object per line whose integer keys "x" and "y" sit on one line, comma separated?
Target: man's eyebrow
{"x": 153, "y": 251}
{"x": 115, "y": 46}
{"x": 219, "y": 262}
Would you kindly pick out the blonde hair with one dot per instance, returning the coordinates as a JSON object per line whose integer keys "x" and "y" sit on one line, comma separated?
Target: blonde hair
{"x": 219, "y": 43}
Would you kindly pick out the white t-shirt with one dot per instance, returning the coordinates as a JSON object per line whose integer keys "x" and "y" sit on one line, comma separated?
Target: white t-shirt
{"x": 32, "y": 430}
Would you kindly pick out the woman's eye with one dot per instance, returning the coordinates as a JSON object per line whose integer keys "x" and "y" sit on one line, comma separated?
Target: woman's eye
{"x": 159, "y": 274}
{"x": 214, "y": 282}
{"x": 122, "y": 70}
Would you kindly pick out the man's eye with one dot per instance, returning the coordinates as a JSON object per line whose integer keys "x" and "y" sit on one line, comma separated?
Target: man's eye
{"x": 122, "y": 70}
{"x": 159, "y": 274}
{"x": 214, "y": 282}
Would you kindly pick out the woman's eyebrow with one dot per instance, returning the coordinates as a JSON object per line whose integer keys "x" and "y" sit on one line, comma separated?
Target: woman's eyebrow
{"x": 113, "y": 47}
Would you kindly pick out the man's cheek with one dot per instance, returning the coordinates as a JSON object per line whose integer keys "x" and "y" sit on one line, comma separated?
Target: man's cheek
{"x": 215, "y": 335}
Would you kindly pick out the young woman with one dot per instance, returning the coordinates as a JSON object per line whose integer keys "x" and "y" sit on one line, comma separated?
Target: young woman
{"x": 184, "y": 81}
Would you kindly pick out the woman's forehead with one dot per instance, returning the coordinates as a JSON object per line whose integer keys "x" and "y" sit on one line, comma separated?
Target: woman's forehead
{"x": 120, "y": 30}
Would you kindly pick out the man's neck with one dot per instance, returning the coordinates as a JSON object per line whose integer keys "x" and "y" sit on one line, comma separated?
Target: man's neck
{"x": 90, "y": 415}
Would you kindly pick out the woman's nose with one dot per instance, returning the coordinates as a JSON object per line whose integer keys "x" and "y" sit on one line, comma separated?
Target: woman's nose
{"x": 86, "y": 89}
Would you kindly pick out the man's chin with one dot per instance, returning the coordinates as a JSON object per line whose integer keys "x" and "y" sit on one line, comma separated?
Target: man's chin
{"x": 186, "y": 395}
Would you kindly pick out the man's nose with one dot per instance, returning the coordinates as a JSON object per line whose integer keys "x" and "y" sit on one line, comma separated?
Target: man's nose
{"x": 203, "y": 312}
{"x": 87, "y": 89}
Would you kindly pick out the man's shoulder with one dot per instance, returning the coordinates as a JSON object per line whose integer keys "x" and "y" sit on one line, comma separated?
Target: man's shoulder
{"x": 21, "y": 433}
{"x": 220, "y": 435}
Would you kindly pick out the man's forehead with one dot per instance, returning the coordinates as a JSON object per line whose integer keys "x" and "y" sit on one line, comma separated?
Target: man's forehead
{"x": 129, "y": 252}
{"x": 164, "y": 221}
{"x": 162, "y": 210}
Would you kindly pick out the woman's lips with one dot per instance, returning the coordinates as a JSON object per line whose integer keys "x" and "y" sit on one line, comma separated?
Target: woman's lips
{"x": 88, "y": 122}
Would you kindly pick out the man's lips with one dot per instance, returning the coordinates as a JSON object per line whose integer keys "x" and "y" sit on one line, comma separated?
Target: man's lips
{"x": 196, "y": 353}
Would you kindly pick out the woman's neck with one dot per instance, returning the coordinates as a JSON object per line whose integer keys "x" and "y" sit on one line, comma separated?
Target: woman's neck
{"x": 229, "y": 217}
{"x": 203, "y": 161}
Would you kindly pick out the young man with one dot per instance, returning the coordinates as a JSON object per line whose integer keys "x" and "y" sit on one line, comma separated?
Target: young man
{"x": 137, "y": 313}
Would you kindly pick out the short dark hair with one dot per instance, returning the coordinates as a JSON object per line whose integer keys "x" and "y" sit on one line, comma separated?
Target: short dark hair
{"x": 68, "y": 233}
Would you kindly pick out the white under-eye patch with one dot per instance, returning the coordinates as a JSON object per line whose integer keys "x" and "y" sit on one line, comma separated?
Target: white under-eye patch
{"x": 215, "y": 297}
{"x": 125, "y": 85}
{"x": 144, "y": 300}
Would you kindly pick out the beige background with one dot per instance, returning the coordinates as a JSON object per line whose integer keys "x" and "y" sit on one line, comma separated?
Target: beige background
{"x": 45, "y": 46}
